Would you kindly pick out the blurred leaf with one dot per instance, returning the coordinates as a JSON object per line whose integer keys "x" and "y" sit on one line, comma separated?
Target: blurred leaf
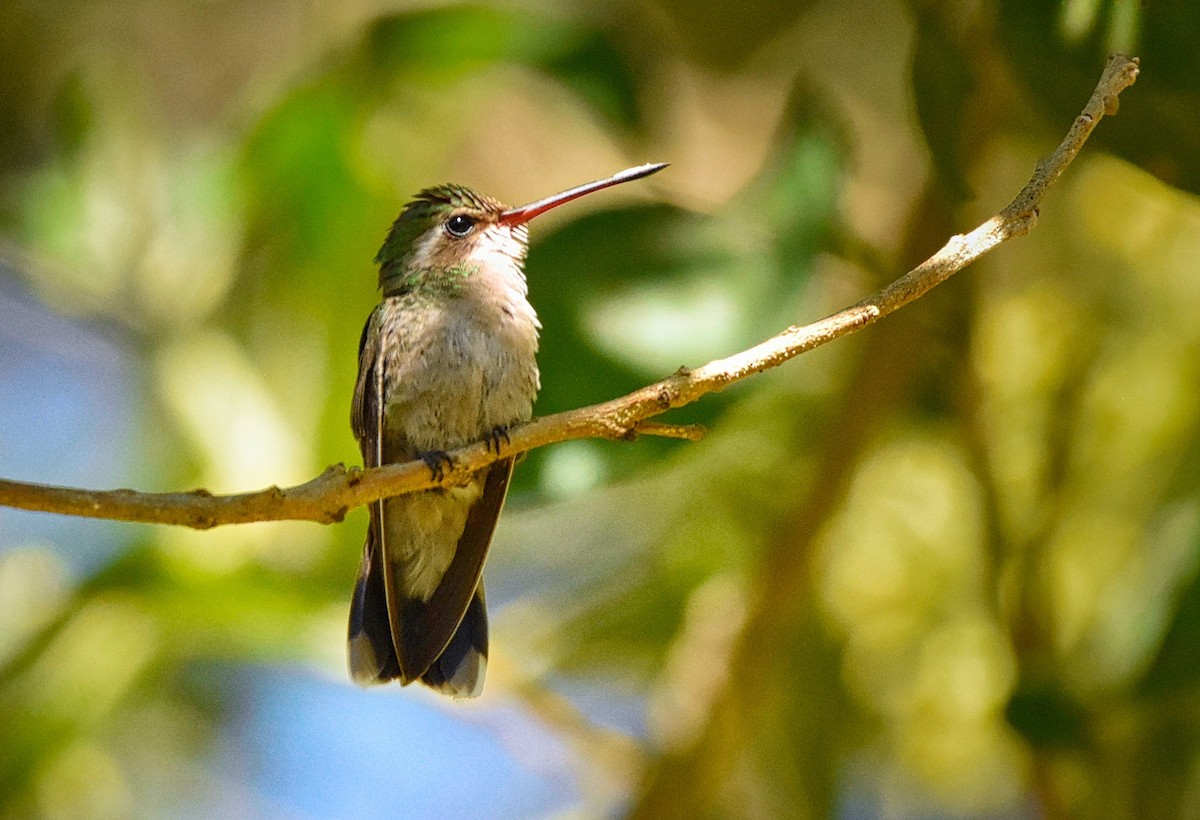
{"x": 796, "y": 194}
{"x": 451, "y": 40}
{"x": 943, "y": 84}
{"x": 297, "y": 161}
{"x": 1164, "y": 762}
{"x": 599, "y": 71}
{"x": 1048, "y": 717}
{"x": 724, "y": 35}
{"x": 446, "y": 43}
{"x": 31, "y": 50}
{"x": 626, "y": 635}
{"x": 600, "y": 254}
{"x": 806, "y": 737}
{"x": 73, "y": 115}
{"x": 1157, "y": 128}
{"x": 1175, "y": 668}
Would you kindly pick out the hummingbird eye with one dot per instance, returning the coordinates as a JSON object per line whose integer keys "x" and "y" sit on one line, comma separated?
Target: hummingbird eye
{"x": 459, "y": 225}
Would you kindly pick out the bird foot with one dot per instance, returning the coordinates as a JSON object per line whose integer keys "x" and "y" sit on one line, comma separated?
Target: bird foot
{"x": 495, "y": 436}
{"x": 438, "y": 461}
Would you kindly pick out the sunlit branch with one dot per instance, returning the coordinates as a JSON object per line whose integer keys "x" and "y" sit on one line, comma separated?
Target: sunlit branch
{"x": 327, "y": 498}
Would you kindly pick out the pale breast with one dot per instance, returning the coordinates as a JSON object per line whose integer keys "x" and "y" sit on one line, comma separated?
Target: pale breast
{"x": 457, "y": 369}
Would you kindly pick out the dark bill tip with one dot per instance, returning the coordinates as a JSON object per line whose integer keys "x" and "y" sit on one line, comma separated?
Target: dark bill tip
{"x": 524, "y": 213}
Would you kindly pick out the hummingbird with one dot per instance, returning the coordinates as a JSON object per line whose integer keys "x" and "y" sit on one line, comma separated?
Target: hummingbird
{"x": 448, "y": 357}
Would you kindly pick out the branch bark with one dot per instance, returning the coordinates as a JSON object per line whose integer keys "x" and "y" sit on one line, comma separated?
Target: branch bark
{"x": 328, "y": 497}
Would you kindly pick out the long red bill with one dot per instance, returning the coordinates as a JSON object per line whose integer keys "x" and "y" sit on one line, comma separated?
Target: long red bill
{"x": 524, "y": 213}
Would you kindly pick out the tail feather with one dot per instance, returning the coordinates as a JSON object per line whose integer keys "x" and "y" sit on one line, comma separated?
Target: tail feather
{"x": 460, "y": 670}
{"x": 442, "y": 641}
{"x": 372, "y": 654}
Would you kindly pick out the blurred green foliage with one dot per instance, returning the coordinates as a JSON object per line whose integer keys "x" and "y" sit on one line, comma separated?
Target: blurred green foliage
{"x": 947, "y": 568}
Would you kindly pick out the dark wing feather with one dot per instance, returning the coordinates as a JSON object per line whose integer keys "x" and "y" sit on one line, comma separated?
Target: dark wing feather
{"x": 364, "y": 410}
{"x": 372, "y": 652}
{"x": 460, "y": 669}
{"x": 423, "y": 629}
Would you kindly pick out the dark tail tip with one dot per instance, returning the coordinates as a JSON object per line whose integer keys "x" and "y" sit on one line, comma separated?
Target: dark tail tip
{"x": 461, "y": 668}
{"x": 371, "y": 654}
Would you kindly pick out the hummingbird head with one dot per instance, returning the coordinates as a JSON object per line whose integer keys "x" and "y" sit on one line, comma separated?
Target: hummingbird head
{"x": 447, "y": 227}
{"x": 451, "y": 232}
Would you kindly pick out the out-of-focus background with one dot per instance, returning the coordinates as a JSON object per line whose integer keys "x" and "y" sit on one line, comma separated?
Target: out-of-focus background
{"x": 944, "y": 568}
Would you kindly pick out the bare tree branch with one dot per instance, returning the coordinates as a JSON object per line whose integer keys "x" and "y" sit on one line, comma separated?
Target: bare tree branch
{"x": 327, "y": 498}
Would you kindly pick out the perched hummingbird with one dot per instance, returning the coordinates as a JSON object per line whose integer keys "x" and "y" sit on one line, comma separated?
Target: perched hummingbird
{"x": 448, "y": 357}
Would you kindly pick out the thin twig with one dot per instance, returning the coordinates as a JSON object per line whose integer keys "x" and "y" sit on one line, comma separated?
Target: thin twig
{"x": 688, "y": 432}
{"x": 327, "y": 498}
